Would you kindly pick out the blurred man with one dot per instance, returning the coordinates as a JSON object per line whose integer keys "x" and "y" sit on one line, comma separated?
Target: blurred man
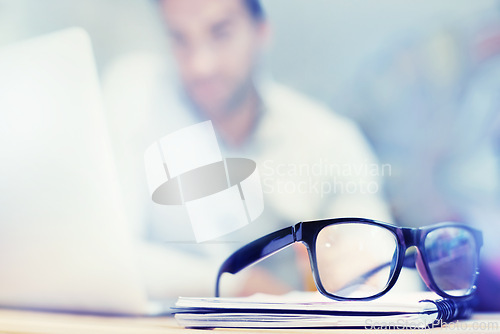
{"x": 217, "y": 45}
{"x": 313, "y": 163}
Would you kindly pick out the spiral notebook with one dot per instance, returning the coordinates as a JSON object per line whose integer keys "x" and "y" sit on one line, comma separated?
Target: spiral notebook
{"x": 311, "y": 310}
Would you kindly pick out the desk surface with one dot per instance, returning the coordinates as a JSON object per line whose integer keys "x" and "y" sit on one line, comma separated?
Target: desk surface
{"x": 12, "y": 321}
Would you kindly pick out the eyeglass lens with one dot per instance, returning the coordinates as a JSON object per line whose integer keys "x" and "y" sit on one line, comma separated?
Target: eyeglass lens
{"x": 452, "y": 260}
{"x": 355, "y": 260}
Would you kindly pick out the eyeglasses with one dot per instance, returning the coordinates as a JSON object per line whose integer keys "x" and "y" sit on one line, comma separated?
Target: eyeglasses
{"x": 361, "y": 259}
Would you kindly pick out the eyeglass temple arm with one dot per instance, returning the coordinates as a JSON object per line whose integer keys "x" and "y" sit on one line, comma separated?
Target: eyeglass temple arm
{"x": 409, "y": 262}
{"x": 255, "y": 252}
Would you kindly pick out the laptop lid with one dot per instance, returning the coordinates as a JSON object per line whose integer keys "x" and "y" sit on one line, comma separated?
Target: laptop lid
{"x": 65, "y": 242}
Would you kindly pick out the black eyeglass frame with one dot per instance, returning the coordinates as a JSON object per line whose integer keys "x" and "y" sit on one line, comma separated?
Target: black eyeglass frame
{"x": 307, "y": 233}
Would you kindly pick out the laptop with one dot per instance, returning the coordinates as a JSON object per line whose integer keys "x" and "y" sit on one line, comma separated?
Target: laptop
{"x": 65, "y": 242}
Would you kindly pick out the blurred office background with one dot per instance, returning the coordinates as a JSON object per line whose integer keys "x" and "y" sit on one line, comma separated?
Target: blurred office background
{"x": 420, "y": 77}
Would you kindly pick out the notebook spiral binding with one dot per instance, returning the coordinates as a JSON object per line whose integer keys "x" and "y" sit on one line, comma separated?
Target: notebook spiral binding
{"x": 449, "y": 309}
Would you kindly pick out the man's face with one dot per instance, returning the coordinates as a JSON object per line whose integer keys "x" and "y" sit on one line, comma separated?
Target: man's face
{"x": 216, "y": 44}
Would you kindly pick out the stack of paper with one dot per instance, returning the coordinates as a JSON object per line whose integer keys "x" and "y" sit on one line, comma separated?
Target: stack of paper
{"x": 303, "y": 309}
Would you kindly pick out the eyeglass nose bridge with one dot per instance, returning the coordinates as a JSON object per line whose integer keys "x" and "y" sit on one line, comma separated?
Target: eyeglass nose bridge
{"x": 411, "y": 238}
